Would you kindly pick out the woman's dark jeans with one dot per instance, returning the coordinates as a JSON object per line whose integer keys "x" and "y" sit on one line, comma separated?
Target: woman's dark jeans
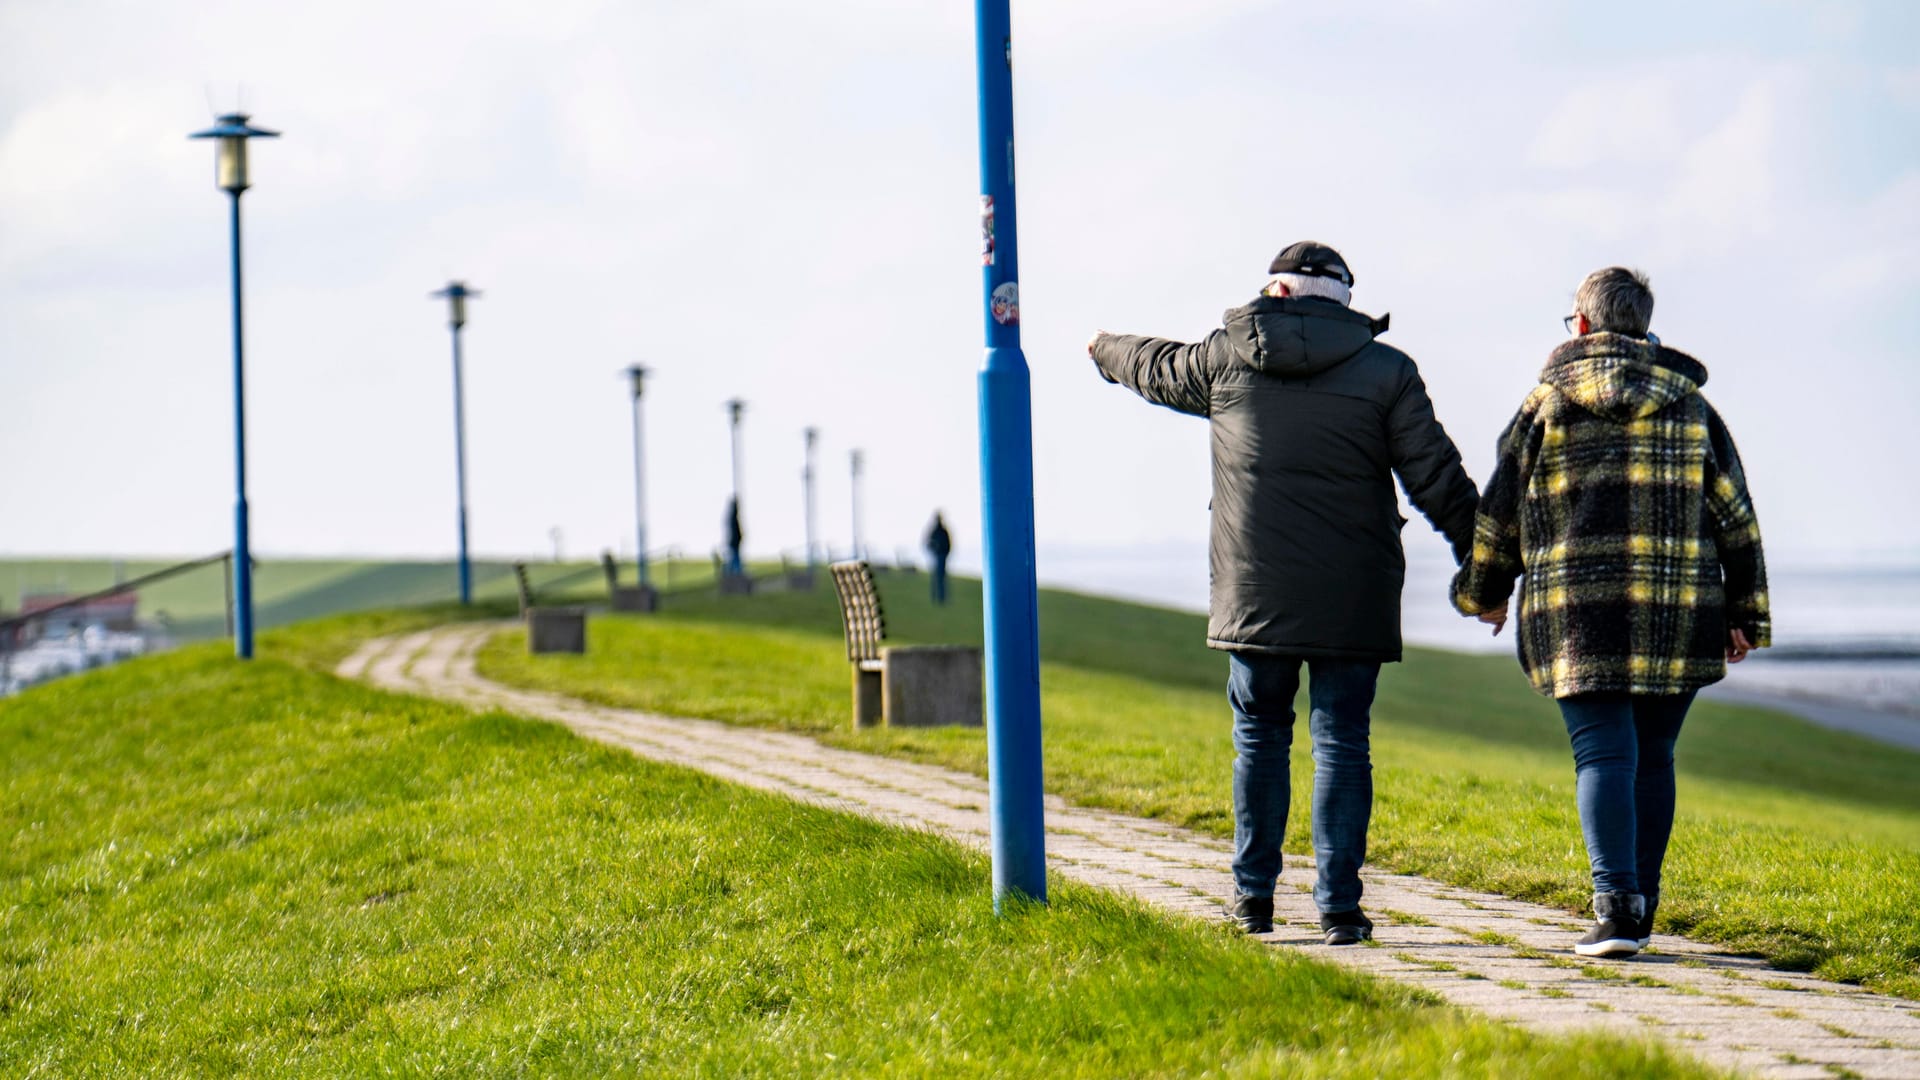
{"x": 1261, "y": 689}
{"x": 1623, "y": 759}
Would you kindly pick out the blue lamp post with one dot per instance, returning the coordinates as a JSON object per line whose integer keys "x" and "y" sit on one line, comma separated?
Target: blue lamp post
{"x": 230, "y": 175}
{"x": 736, "y": 567}
{"x": 858, "y": 460}
{"x": 812, "y": 438}
{"x": 1006, "y": 492}
{"x": 734, "y": 408}
{"x": 638, "y": 374}
{"x": 456, "y": 294}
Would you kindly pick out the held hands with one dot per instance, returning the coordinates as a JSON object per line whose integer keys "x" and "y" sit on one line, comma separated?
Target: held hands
{"x": 1095, "y": 340}
{"x": 1497, "y": 618}
{"x": 1738, "y": 646}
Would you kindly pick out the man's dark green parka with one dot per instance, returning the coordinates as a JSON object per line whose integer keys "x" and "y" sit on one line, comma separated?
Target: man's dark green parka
{"x": 1311, "y": 417}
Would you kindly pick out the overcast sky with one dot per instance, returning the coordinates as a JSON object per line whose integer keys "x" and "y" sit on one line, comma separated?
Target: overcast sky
{"x": 779, "y": 202}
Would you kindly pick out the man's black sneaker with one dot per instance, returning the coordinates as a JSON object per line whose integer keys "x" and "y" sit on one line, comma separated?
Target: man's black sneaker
{"x": 1252, "y": 914}
{"x": 1346, "y": 928}
{"x": 1646, "y": 922}
{"x": 1616, "y": 929}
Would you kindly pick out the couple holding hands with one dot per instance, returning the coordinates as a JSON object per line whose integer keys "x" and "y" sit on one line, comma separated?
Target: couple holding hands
{"x": 1617, "y": 500}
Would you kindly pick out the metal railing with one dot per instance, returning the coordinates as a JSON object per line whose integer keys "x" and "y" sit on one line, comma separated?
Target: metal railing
{"x": 12, "y": 627}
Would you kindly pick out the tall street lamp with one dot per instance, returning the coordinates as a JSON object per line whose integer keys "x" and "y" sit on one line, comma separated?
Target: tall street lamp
{"x": 858, "y": 459}
{"x": 456, "y": 294}
{"x": 1018, "y": 826}
{"x": 736, "y": 565}
{"x": 230, "y": 175}
{"x": 812, "y": 437}
{"x": 638, "y": 374}
{"x": 734, "y": 408}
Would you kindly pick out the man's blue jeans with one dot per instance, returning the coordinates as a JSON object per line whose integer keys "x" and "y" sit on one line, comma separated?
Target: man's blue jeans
{"x": 1261, "y": 689}
{"x": 1623, "y": 763}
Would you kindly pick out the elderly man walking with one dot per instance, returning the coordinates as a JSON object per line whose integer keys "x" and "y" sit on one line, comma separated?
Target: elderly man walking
{"x": 1311, "y": 417}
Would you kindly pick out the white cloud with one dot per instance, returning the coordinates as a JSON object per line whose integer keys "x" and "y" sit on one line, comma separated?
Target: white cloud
{"x": 75, "y": 170}
{"x": 1626, "y": 119}
{"x": 1724, "y": 188}
{"x": 1869, "y": 252}
{"x": 1903, "y": 85}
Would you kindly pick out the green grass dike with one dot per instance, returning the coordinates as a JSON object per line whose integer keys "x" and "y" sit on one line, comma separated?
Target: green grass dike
{"x": 222, "y": 869}
{"x": 1794, "y": 843}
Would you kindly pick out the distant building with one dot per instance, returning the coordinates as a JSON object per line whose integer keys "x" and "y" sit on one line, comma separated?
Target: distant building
{"x": 115, "y": 611}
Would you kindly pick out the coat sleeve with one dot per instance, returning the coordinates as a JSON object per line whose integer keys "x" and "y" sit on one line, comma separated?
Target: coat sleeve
{"x": 1169, "y": 373}
{"x": 1485, "y": 580}
{"x": 1429, "y": 465}
{"x": 1736, "y": 533}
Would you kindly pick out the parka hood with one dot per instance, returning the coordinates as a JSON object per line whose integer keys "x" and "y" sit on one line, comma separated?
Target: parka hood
{"x": 1296, "y": 337}
{"x": 1622, "y": 378}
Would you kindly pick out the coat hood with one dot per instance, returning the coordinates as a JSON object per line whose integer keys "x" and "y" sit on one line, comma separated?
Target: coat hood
{"x": 1622, "y": 378}
{"x": 1298, "y": 337}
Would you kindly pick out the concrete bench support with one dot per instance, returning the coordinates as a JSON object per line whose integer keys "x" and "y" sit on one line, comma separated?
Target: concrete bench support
{"x": 930, "y": 685}
{"x": 556, "y": 630}
{"x": 641, "y": 598}
{"x": 868, "y": 701}
{"x": 735, "y": 585}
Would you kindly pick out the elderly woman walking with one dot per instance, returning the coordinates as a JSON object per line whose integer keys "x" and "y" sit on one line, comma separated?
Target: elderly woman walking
{"x": 1621, "y": 500}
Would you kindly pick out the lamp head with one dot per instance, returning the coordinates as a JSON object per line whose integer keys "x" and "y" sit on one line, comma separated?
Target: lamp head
{"x": 456, "y": 294}
{"x": 637, "y": 374}
{"x": 230, "y": 165}
{"x": 734, "y": 408}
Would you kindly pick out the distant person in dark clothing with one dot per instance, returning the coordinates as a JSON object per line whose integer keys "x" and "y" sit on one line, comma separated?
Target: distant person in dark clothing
{"x": 939, "y": 545}
{"x": 734, "y": 538}
{"x": 1311, "y": 417}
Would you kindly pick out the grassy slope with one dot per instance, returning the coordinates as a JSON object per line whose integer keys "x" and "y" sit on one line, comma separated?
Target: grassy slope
{"x": 258, "y": 869}
{"x": 1797, "y": 843}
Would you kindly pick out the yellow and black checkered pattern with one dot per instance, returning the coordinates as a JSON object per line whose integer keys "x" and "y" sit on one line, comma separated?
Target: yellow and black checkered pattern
{"x": 1620, "y": 501}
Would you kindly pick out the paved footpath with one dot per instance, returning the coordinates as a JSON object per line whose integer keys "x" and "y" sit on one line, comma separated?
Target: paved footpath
{"x": 1499, "y": 956}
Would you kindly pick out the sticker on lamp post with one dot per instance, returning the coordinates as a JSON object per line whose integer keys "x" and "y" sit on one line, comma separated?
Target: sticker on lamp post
{"x": 1006, "y": 304}
{"x": 986, "y": 230}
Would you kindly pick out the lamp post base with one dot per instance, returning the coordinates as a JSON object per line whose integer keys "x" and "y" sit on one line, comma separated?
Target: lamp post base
{"x": 1014, "y": 781}
{"x": 242, "y": 584}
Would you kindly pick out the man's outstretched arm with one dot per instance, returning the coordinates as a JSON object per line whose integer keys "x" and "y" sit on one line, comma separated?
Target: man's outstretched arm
{"x": 1164, "y": 372}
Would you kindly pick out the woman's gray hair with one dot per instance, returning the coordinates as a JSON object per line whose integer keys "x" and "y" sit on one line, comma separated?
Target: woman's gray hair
{"x": 1616, "y": 299}
{"x": 1309, "y": 285}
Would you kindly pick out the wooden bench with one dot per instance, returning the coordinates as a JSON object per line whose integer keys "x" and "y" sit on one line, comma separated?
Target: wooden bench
{"x": 901, "y": 685}
{"x": 641, "y": 598}
{"x": 524, "y": 587}
{"x": 549, "y": 629}
{"x": 798, "y": 576}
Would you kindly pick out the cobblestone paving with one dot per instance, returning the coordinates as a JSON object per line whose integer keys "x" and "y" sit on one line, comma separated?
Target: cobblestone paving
{"x": 1502, "y": 957}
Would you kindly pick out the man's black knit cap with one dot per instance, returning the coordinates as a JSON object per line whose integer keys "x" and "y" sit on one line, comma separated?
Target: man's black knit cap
{"x": 1314, "y": 260}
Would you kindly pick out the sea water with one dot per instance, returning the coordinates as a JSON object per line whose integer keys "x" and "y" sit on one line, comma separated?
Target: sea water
{"x": 1845, "y": 630}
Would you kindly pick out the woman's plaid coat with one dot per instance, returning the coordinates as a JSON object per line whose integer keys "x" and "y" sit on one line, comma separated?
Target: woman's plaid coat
{"x": 1619, "y": 495}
